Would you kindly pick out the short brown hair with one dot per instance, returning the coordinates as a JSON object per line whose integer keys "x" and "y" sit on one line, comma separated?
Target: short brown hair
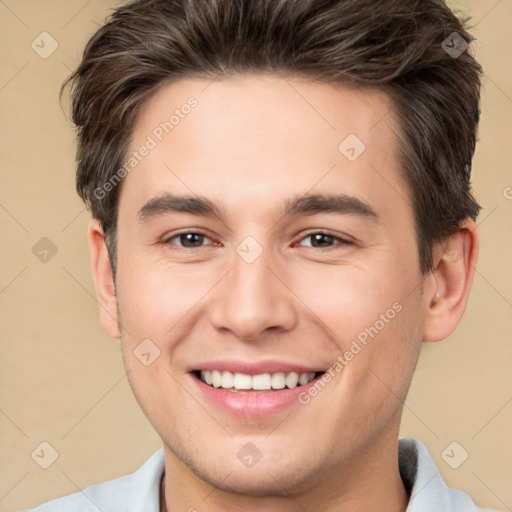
{"x": 398, "y": 45}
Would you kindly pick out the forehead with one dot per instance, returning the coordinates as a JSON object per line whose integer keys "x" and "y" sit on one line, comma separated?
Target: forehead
{"x": 258, "y": 139}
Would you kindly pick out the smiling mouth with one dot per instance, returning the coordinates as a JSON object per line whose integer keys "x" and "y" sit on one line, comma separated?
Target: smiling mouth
{"x": 242, "y": 382}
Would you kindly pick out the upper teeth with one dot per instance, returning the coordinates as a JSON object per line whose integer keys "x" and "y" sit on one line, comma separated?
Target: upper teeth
{"x": 264, "y": 381}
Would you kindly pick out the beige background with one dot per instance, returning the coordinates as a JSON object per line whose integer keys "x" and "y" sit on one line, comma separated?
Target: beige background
{"x": 62, "y": 379}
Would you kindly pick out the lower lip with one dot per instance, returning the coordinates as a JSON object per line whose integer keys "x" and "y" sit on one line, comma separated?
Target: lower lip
{"x": 252, "y": 403}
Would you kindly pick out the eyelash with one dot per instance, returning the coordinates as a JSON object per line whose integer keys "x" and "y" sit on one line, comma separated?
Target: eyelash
{"x": 340, "y": 240}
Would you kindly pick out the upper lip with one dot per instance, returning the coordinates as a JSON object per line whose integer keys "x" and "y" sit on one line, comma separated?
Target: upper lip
{"x": 254, "y": 367}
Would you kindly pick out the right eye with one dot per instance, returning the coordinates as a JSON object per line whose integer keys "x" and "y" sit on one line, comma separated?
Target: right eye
{"x": 187, "y": 239}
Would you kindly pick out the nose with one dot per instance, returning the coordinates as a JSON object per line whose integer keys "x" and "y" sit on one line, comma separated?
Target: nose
{"x": 254, "y": 301}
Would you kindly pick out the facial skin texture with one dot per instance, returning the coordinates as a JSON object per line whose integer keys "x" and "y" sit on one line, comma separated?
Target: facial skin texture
{"x": 252, "y": 142}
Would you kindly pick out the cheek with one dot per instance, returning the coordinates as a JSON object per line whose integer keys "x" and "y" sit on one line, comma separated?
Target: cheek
{"x": 345, "y": 298}
{"x": 374, "y": 321}
{"x": 382, "y": 371}
{"x": 153, "y": 300}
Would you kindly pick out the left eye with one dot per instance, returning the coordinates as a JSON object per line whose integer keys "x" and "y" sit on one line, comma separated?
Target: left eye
{"x": 320, "y": 239}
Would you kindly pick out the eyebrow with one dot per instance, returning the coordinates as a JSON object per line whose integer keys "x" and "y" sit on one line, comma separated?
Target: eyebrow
{"x": 298, "y": 205}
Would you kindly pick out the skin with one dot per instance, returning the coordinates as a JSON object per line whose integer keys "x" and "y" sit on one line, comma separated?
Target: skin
{"x": 252, "y": 142}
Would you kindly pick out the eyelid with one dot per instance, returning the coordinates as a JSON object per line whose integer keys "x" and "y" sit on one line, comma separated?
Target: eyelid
{"x": 167, "y": 238}
{"x": 340, "y": 239}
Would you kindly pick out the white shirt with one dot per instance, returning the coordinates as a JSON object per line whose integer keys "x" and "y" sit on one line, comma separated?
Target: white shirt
{"x": 140, "y": 491}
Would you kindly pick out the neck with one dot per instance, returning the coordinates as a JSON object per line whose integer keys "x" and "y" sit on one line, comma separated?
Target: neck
{"x": 370, "y": 481}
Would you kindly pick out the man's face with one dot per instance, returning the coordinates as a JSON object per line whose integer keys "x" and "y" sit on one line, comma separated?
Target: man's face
{"x": 260, "y": 290}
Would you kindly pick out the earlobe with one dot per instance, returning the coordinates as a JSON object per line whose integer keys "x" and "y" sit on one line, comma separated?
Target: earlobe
{"x": 103, "y": 279}
{"x": 453, "y": 274}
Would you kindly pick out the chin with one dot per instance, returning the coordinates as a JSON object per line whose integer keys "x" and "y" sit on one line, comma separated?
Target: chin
{"x": 257, "y": 482}
{"x": 271, "y": 476}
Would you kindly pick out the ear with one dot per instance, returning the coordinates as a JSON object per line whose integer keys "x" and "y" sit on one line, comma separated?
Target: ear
{"x": 103, "y": 279}
{"x": 455, "y": 263}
